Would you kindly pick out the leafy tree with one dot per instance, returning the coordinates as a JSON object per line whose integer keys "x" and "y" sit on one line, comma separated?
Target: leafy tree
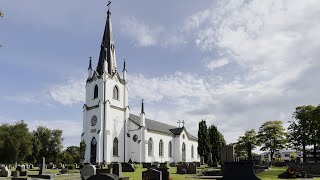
{"x": 82, "y": 150}
{"x": 216, "y": 140}
{"x": 48, "y": 144}
{"x": 203, "y": 139}
{"x": 271, "y": 136}
{"x": 315, "y": 130}
{"x": 241, "y": 146}
{"x": 1, "y": 14}
{"x": 15, "y": 146}
{"x": 71, "y": 155}
{"x": 300, "y": 131}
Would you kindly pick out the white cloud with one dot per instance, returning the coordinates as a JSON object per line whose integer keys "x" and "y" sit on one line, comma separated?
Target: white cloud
{"x": 217, "y": 63}
{"x": 70, "y": 92}
{"x": 144, "y": 35}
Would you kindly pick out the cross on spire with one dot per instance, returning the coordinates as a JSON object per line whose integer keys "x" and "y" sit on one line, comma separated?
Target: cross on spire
{"x": 109, "y": 4}
{"x": 179, "y": 123}
{"x": 182, "y": 123}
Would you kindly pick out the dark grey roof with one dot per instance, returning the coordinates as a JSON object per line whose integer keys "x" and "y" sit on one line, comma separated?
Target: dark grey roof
{"x": 161, "y": 127}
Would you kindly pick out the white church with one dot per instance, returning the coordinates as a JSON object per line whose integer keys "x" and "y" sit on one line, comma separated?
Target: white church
{"x": 111, "y": 133}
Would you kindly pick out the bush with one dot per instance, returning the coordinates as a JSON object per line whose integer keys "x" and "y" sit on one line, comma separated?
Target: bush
{"x": 71, "y": 166}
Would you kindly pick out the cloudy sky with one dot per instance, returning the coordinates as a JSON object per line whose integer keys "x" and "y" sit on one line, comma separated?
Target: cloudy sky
{"x": 235, "y": 63}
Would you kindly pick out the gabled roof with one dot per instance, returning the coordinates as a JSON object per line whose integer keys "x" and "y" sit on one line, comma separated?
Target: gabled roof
{"x": 161, "y": 127}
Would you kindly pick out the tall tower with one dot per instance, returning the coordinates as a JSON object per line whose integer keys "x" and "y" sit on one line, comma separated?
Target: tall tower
{"x": 105, "y": 111}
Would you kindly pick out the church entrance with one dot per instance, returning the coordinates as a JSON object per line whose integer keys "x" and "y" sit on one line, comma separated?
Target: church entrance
{"x": 183, "y": 152}
{"x": 93, "y": 151}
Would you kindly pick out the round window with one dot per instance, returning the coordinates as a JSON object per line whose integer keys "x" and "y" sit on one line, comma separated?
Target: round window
{"x": 93, "y": 120}
{"x": 135, "y": 138}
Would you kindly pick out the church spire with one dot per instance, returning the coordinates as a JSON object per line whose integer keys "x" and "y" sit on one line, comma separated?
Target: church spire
{"x": 107, "y": 50}
{"x": 142, "y": 108}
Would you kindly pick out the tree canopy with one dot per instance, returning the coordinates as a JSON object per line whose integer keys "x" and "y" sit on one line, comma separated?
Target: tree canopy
{"x": 241, "y": 145}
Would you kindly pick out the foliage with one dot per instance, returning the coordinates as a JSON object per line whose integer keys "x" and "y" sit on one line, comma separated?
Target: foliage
{"x": 271, "y": 136}
{"x": 15, "y": 144}
{"x": 241, "y": 148}
{"x": 203, "y": 139}
{"x": 216, "y": 141}
{"x": 49, "y": 143}
{"x": 1, "y": 14}
{"x": 82, "y": 150}
{"x": 71, "y": 155}
{"x": 299, "y": 131}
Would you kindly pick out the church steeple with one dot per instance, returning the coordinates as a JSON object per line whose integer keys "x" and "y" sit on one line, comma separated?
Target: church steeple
{"x": 107, "y": 58}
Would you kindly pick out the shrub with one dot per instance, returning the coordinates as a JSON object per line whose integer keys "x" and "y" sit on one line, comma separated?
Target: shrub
{"x": 71, "y": 166}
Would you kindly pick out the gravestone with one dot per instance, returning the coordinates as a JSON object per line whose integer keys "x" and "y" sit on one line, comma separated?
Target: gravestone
{"x": 201, "y": 160}
{"x": 239, "y": 170}
{"x": 76, "y": 166}
{"x": 22, "y": 170}
{"x": 87, "y": 171}
{"x": 31, "y": 166}
{"x": 146, "y": 165}
{"x": 192, "y": 168}
{"x": 50, "y": 166}
{"x": 197, "y": 164}
{"x": 5, "y": 172}
{"x": 173, "y": 164}
{"x": 107, "y": 176}
{"x": 115, "y": 168}
{"x": 60, "y": 166}
{"x": 9, "y": 166}
{"x": 151, "y": 174}
{"x": 155, "y": 163}
{"x": 164, "y": 173}
{"x": 227, "y": 154}
{"x": 210, "y": 161}
{"x": 182, "y": 169}
{"x": 16, "y": 174}
{"x": 43, "y": 167}
{"x": 126, "y": 167}
{"x": 163, "y": 165}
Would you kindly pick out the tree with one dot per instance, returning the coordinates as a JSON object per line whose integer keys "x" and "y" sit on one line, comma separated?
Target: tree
{"x": 1, "y": 14}
{"x": 82, "y": 150}
{"x": 203, "y": 139}
{"x": 241, "y": 146}
{"x": 216, "y": 140}
{"x": 299, "y": 131}
{"x": 315, "y": 130}
{"x": 71, "y": 155}
{"x": 15, "y": 144}
{"x": 271, "y": 136}
{"x": 49, "y": 143}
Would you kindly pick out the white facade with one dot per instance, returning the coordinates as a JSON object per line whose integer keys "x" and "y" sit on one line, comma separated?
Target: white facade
{"x": 112, "y": 134}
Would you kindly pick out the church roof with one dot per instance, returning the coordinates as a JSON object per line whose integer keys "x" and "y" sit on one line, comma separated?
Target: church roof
{"x": 161, "y": 127}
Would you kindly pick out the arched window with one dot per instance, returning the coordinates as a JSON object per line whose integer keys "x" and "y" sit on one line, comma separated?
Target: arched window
{"x": 192, "y": 152}
{"x": 95, "y": 93}
{"x": 150, "y": 147}
{"x": 184, "y": 152}
{"x": 170, "y": 149}
{"x": 115, "y": 146}
{"x": 115, "y": 93}
{"x": 160, "y": 147}
{"x": 93, "y": 151}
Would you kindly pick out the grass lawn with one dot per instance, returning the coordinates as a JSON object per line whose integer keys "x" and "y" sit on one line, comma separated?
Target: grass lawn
{"x": 271, "y": 174}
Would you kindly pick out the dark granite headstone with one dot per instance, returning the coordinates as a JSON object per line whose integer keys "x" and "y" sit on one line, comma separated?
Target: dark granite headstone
{"x": 239, "y": 170}
{"x": 182, "y": 169}
{"x": 115, "y": 168}
{"x": 151, "y": 174}
{"x": 192, "y": 168}
{"x": 126, "y": 167}
{"x": 104, "y": 177}
{"x": 163, "y": 165}
{"x": 173, "y": 164}
{"x": 164, "y": 172}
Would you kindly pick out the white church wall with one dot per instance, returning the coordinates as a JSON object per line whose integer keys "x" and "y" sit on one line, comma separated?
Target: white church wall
{"x": 134, "y": 147}
{"x": 90, "y": 100}
{"x": 155, "y": 153}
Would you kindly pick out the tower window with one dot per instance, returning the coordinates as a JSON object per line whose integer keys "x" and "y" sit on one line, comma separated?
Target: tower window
{"x": 150, "y": 147}
{"x": 170, "y": 149}
{"x": 116, "y": 93}
{"x": 95, "y": 93}
{"x": 161, "y": 148}
{"x": 115, "y": 146}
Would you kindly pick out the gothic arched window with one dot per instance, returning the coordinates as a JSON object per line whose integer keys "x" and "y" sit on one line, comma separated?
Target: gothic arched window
{"x": 115, "y": 146}
{"x": 170, "y": 149}
{"x": 160, "y": 147}
{"x": 150, "y": 147}
{"x": 116, "y": 93}
{"x": 192, "y": 155}
{"x": 95, "y": 93}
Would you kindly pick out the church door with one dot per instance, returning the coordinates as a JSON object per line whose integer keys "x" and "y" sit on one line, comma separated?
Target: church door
{"x": 93, "y": 151}
{"x": 183, "y": 152}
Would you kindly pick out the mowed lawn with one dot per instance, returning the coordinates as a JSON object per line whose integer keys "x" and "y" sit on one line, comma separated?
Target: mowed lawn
{"x": 271, "y": 174}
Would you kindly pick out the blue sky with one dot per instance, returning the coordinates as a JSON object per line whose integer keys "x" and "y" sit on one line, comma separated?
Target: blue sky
{"x": 236, "y": 64}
